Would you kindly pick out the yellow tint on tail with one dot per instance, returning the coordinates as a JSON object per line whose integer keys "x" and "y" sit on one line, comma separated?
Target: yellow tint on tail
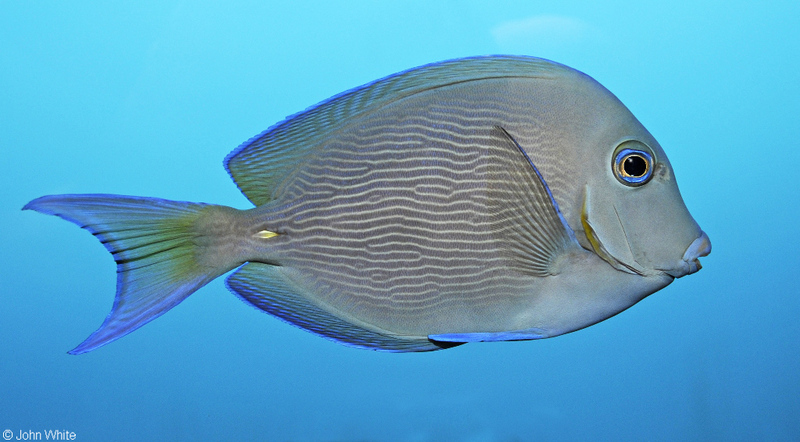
{"x": 164, "y": 250}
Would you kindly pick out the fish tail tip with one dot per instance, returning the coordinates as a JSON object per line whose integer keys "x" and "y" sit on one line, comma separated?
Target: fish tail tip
{"x": 32, "y": 205}
{"x": 41, "y": 204}
{"x": 88, "y": 345}
{"x": 79, "y": 350}
{"x": 107, "y": 333}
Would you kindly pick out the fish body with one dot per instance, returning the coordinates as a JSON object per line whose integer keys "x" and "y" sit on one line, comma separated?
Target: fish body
{"x": 481, "y": 199}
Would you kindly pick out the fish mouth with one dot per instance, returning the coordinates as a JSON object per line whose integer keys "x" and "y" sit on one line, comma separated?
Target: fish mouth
{"x": 690, "y": 263}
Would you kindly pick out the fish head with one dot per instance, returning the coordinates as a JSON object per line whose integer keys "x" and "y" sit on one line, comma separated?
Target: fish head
{"x": 632, "y": 214}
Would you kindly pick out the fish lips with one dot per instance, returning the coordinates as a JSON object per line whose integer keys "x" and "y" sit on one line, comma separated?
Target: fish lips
{"x": 690, "y": 263}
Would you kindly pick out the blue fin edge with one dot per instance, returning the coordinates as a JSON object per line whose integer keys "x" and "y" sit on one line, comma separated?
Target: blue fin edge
{"x": 514, "y": 335}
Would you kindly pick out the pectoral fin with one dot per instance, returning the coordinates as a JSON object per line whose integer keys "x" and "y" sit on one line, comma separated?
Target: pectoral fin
{"x": 523, "y": 211}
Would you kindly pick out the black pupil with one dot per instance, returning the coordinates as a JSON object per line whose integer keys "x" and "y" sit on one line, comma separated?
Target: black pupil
{"x": 634, "y": 166}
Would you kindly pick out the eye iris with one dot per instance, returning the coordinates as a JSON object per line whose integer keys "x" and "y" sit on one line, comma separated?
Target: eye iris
{"x": 634, "y": 166}
{"x": 633, "y": 163}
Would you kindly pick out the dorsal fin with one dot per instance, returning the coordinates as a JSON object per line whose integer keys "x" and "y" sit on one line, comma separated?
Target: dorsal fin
{"x": 260, "y": 164}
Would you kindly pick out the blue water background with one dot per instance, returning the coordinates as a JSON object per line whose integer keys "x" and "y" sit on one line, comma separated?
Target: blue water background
{"x": 147, "y": 97}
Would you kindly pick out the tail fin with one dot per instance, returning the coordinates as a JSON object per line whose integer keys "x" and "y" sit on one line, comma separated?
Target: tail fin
{"x": 159, "y": 246}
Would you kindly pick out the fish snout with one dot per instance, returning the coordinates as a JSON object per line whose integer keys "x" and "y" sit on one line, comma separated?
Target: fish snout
{"x": 690, "y": 263}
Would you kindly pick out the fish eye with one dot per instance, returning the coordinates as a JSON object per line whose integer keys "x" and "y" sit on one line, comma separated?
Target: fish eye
{"x": 633, "y": 163}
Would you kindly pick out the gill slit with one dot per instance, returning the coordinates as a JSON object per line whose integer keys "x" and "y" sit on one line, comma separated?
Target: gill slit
{"x": 597, "y": 245}
{"x": 628, "y": 244}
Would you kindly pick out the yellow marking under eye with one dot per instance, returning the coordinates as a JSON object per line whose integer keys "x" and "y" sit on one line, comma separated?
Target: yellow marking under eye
{"x": 265, "y": 234}
{"x": 592, "y": 236}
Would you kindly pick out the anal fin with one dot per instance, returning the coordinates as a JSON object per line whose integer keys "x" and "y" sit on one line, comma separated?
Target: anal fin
{"x": 265, "y": 287}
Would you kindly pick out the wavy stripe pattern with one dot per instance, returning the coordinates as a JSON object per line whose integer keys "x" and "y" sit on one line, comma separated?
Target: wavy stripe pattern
{"x": 401, "y": 220}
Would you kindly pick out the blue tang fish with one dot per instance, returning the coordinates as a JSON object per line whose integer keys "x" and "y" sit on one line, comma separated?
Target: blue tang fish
{"x": 482, "y": 199}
